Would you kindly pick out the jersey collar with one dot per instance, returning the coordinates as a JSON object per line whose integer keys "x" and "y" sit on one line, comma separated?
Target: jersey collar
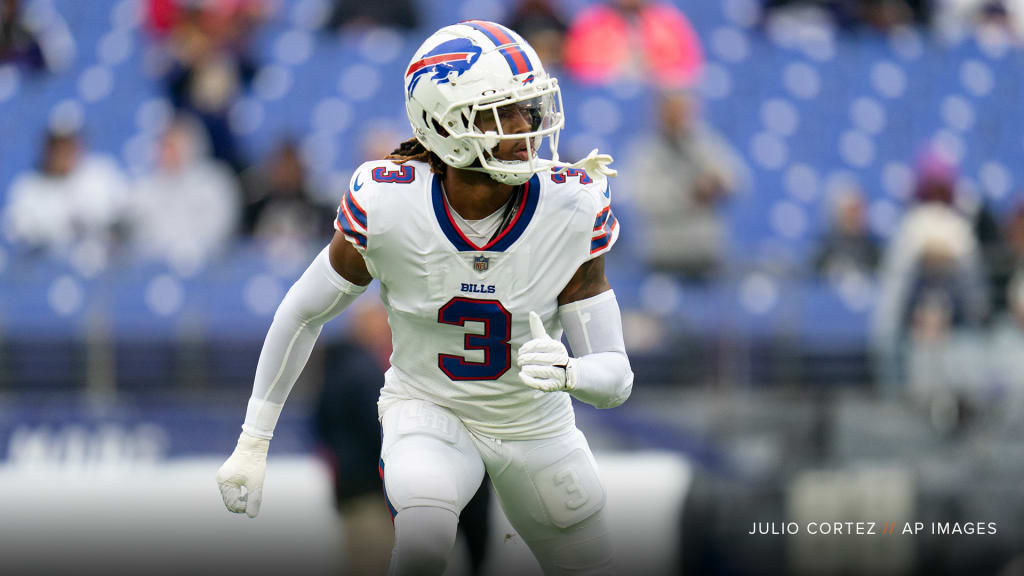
{"x": 505, "y": 238}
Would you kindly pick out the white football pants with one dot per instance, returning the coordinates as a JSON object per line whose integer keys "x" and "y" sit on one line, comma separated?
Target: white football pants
{"x": 549, "y": 489}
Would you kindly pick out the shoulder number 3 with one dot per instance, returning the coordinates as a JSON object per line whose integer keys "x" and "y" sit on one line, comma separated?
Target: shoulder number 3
{"x": 403, "y": 175}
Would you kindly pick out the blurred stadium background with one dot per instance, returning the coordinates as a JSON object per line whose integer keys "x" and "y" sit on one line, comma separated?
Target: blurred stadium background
{"x": 824, "y": 358}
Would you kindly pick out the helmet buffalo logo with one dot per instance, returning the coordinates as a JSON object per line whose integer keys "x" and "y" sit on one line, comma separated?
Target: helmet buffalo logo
{"x": 456, "y": 55}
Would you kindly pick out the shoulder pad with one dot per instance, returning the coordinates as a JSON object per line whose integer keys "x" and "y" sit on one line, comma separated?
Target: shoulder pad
{"x": 378, "y": 174}
{"x": 368, "y": 181}
{"x": 594, "y": 188}
{"x": 606, "y": 225}
{"x": 594, "y": 195}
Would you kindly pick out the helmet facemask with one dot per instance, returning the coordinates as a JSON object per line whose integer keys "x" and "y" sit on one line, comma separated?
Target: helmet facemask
{"x": 525, "y": 117}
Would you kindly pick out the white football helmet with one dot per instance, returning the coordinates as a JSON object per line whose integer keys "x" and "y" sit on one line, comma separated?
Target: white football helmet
{"x": 475, "y": 68}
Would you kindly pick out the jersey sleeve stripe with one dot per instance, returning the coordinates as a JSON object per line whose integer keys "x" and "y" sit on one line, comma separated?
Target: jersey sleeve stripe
{"x": 602, "y": 217}
{"x": 352, "y": 221}
{"x": 354, "y": 237}
{"x": 344, "y": 226}
{"x": 606, "y": 239}
{"x": 355, "y": 209}
{"x": 607, "y": 223}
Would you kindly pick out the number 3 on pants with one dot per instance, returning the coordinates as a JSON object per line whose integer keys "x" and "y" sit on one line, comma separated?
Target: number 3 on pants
{"x": 569, "y": 489}
{"x": 569, "y": 481}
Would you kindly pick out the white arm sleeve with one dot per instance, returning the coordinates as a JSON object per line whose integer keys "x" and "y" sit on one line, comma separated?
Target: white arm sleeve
{"x": 593, "y": 328}
{"x": 316, "y": 297}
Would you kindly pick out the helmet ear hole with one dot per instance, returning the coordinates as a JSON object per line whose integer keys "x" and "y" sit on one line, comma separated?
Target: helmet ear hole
{"x": 441, "y": 131}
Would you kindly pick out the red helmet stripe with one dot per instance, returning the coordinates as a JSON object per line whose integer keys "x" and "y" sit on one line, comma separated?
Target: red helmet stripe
{"x": 517, "y": 60}
{"x": 496, "y": 33}
{"x": 522, "y": 62}
{"x": 436, "y": 60}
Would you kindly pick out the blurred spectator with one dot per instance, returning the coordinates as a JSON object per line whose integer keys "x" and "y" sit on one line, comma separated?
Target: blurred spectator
{"x": 633, "y": 40}
{"x": 1015, "y": 239}
{"x": 988, "y": 18}
{"x": 807, "y": 12}
{"x": 931, "y": 279}
{"x": 358, "y": 15}
{"x": 947, "y": 372}
{"x": 18, "y": 44}
{"x": 880, "y": 15}
{"x": 70, "y": 206}
{"x": 162, "y": 16}
{"x": 943, "y": 282}
{"x": 189, "y": 209}
{"x": 40, "y": 42}
{"x": 1007, "y": 350}
{"x": 849, "y": 247}
{"x": 345, "y": 425}
{"x": 990, "y": 245}
{"x": 540, "y": 23}
{"x": 679, "y": 178}
{"x": 889, "y": 14}
{"x": 281, "y": 203}
{"x": 211, "y": 66}
{"x": 1006, "y": 258}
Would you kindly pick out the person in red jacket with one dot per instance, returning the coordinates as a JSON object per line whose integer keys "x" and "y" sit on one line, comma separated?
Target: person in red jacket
{"x": 633, "y": 38}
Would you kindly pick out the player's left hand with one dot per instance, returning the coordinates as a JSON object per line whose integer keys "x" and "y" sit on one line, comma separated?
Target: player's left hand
{"x": 597, "y": 163}
{"x": 544, "y": 363}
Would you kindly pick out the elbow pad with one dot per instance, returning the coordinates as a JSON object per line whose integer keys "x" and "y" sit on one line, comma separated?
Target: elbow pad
{"x": 593, "y": 328}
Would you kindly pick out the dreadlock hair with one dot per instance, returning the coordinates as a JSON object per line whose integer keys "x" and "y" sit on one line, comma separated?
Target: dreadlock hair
{"x": 412, "y": 149}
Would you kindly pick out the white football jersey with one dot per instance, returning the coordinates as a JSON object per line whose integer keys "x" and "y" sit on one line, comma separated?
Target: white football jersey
{"x": 459, "y": 312}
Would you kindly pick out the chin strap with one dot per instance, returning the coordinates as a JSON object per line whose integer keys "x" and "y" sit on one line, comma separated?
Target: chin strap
{"x": 596, "y": 163}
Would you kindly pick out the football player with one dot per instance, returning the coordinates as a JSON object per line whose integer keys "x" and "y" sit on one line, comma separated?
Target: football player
{"x": 486, "y": 247}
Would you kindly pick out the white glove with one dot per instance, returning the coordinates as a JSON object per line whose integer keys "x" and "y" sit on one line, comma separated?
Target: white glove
{"x": 596, "y": 163}
{"x": 544, "y": 363}
{"x": 245, "y": 467}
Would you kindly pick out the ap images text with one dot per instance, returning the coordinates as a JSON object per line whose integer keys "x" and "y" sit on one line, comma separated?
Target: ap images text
{"x": 866, "y": 528}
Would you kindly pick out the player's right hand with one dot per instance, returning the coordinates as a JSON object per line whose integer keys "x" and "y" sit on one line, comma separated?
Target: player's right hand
{"x": 245, "y": 467}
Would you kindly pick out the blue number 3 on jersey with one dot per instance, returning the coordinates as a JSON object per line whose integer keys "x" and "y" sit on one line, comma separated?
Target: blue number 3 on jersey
{"x": 494, "y": 341}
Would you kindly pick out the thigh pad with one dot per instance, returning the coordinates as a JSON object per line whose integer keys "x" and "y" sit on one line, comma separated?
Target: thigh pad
{"x": 424, "y": 418}
{"x": 569, "y": 488}
{"x": 428, "y": 458}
